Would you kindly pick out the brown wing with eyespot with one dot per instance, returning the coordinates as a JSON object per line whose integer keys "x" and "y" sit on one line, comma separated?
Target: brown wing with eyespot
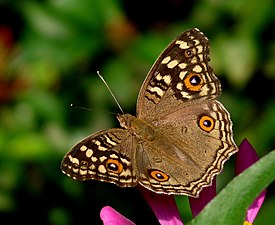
{"x": 193, "y": 144}
{"x": 106, "y": 156}
{"x": 180, "y": 74}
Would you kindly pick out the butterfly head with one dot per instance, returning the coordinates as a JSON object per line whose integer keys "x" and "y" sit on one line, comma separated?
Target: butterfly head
{"x": 125, "y": 120}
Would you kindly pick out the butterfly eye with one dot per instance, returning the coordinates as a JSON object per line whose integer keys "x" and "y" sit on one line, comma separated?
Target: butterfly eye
{"x": 159, "y": 175}
{"x": 114, "y": 166}
{"x": 206, "y": 123}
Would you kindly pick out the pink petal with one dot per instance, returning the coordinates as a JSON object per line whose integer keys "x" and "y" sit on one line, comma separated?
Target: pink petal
{"x": 254, "y": 208}
{"x": 164, "y": 207}
{"x": 206, "y": 195}
{"x": 245, "y": 158}
{"x": 109, "y": 216}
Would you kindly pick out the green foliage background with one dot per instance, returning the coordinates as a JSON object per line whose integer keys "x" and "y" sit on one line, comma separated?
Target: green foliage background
{"x": 50, "y": 51}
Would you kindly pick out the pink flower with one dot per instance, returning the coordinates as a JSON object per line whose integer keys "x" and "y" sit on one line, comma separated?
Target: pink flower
{"x": 247, "y": 152}
{"x": 165, "y": 208}
{"x": 111, "y": 217}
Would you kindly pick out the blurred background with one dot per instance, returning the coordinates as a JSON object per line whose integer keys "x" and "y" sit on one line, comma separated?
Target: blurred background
{"x": 50, "y": 51}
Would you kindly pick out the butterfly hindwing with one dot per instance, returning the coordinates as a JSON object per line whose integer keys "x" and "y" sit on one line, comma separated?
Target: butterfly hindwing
{"x": 198, "y": 140}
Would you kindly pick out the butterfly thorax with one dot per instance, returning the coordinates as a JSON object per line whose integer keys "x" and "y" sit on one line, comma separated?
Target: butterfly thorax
{"x": 137, "y": 126}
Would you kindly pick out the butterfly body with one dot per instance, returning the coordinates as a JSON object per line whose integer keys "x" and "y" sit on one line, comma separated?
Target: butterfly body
{"x": 181, "y": 135}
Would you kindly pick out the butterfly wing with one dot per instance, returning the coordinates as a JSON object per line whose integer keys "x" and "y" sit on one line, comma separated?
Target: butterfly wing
{"x": 194, "y": 131}
{"x": 180, "y": 74}
{"x": 192, "y": 145}
{"x": 104, "y": 156}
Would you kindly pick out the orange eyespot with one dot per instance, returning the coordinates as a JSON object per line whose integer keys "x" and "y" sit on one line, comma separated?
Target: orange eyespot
{"x": 206, "y": 123}
{"x": 193, "y": 82}
{"x": 159, "y": 175}
{"x": 114, "y": 166}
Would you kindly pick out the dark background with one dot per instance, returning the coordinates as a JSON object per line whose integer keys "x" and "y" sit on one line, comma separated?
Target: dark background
{"x": 50, "y": 51}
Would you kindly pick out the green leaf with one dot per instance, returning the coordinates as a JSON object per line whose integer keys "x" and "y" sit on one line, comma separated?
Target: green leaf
{"x": 230, "y": 205}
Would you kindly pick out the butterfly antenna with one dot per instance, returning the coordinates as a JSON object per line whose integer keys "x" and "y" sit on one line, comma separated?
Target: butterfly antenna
{"x": 93, "y": 110}
{"x": 109, "y": 89}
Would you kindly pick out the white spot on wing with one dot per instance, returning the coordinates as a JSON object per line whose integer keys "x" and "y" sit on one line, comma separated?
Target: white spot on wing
{"x": 89, "y": 153}
{"x": 185, "y": 94}
{"x": 125, "y": 161}
{"x": 101, "y": 148}
{"x": 179, "y": 86}
{"x": 83, "y": 148}
{"x": 182, "y": 74}
{"x": 167, "y": 79}
{"x": 74, "y": 160}
{"x": 194, "y": 60}
{"x": 166, "y": 60}
{"x": 157, "y": 90}
{"x": 158, "y": 76}
{"x": 102, "y": 158}
{"x": 204, "y": 90}
{"x": 182, "y": 65}
{"x": 199, "y": 49}
{"x": 182, "y": 44}
{"x": 114, "y": 156}
{"x": 83, "y": 172}
{"x": 102, "y": 169}
{"x": 196, "y": 41}
{"x": 92, "y": 167}
{"x": 94, "y": 159}
{"x": 110, "y": 141}
{"x": 197, "y": 69}
{"x": 172, "y": 64}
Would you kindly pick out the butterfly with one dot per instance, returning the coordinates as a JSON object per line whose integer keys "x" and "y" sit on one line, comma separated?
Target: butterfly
{"x": 180, "y": 137}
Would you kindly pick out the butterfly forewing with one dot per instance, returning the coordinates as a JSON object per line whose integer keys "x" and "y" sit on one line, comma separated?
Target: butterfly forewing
{"x": 180, "y": 74}
{"x": 104, "y": 156}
